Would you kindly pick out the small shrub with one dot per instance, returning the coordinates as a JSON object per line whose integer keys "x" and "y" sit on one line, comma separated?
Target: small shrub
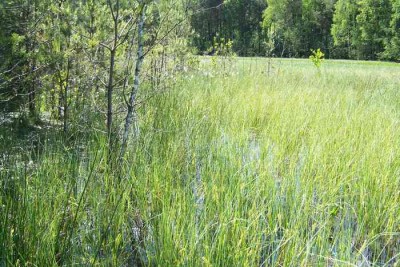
{"x": 317, "y": 57}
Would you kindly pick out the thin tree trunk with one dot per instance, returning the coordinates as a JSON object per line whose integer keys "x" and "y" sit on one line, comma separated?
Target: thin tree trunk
{"x": 60, "y": 98}
{"x": 110, "y": 93}
{"x": 110, "y": 86}
{"x": 32, "y": 95}
{"x": 66, "y": 87}
{"x": 32, "y": 85}
{"x": 131, "y": 114}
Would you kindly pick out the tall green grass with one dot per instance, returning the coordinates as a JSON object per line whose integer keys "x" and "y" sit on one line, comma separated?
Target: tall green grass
{"x": 250, "y": 167}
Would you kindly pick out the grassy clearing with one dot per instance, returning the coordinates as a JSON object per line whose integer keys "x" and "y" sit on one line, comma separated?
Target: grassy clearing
{"x": 285, "y": 167}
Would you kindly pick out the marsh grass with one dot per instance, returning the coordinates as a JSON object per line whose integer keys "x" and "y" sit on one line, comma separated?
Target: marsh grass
{"x": 285, "y": 168}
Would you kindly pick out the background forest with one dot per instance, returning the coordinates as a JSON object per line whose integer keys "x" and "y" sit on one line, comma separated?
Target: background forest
{"x": 351, "y": 29}
{"x": 198, "y": 133}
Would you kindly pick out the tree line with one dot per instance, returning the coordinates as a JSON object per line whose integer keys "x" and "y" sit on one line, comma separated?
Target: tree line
{"x": 349, "y": 29}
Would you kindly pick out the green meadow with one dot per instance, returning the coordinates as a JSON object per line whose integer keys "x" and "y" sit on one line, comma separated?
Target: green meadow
{"x": 241, "y": 162}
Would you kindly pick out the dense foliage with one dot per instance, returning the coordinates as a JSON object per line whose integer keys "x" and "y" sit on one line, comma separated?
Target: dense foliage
{"x": 354, "y": 29}
{"x": 61, "y": 57}
{"x": 237, "y": 20}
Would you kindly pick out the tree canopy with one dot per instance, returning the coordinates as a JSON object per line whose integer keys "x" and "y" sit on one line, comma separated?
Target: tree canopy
{"x": 366, "y": 29}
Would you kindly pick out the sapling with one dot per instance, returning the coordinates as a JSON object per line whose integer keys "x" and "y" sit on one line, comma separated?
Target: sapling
{"x": 317, "y": 57}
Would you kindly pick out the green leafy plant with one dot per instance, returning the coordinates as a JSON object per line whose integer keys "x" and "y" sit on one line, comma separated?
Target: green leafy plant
{"x": 317, "y": 57}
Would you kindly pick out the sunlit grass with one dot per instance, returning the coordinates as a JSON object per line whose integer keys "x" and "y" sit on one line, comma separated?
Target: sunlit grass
{"x": 255, "y": 166}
